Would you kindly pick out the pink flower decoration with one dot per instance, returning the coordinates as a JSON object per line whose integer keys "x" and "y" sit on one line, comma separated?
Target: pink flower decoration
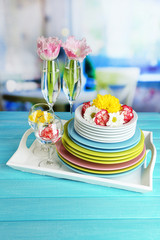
{"x": 48, "y": 48}
{"x": 76, "y": 49}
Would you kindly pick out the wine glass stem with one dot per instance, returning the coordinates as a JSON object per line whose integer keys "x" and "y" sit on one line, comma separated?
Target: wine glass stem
{"x": 51, "y": 105}
{"x": 50, "y": 152}
{"x": 71, "y": 109}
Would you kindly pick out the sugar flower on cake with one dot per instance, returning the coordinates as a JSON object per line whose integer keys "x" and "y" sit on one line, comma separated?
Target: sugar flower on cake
{"x": 115, "y": 119}
{"x": 107, "y": 102}
{"x": 90, "y": 113}
{"x": 48, "y": 48}
{"x": 76, "y": 49}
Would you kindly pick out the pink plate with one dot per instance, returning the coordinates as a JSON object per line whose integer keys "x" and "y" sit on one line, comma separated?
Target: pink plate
{"x": 96, "y": 166}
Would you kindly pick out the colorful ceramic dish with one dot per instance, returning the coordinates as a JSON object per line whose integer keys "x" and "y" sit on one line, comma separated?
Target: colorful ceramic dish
{"x": 101, "y": 173}
{"x": 96, "y": 166}
{"x": 69, "y": 132}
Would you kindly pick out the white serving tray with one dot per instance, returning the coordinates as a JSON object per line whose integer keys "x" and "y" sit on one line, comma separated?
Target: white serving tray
{"x": 139, "y": 180}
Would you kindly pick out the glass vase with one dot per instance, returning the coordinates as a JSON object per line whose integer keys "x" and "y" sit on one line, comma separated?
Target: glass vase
{"x": 72, "y": 81}
{"x": 50, "y": 81}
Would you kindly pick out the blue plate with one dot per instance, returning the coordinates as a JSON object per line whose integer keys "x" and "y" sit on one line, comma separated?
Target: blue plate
{"x": 100, "y": 175}
{"x": 97, "y": 146}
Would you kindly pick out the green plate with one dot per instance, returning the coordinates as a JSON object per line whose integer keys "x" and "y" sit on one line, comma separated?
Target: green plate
{"x": 99, "y": 159}
{"x": 78, "y": 148}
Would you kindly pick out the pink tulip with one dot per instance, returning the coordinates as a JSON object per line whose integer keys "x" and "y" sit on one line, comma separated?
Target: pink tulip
{"x": 76, "y": 49}
{"x": 48, "y": 48}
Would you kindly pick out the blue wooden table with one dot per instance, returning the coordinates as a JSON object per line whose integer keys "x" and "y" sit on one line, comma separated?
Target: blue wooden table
{"x": 47, "y": 208}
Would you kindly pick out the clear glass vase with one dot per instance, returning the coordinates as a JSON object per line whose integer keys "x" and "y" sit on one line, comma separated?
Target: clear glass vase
{"x": 48, "y": 132}
{"x": 50, "y": 81}
{"x": 39, "y": 110}
{"x": 72, "y": 81}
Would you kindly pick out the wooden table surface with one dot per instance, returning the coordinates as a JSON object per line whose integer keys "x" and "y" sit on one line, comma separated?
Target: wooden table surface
{"x": 46, "y": 208}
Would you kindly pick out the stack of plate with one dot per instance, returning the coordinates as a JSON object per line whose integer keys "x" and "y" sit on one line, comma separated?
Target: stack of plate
{"x": 102, "y": 133}
{"x": 100, "y": 158}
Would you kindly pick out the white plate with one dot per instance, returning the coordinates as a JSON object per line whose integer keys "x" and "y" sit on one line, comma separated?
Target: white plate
{"x": 103, "y": 140}
{"x": 98, "y": 138}
{"x": 105, "y": 129}
{"x": 96, "y": 133}
{"x": 126, "y": 126}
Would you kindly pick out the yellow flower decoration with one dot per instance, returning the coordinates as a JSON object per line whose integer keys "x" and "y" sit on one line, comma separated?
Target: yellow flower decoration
{"x": 44, "y": 116}
{"x": 107, "y": 102}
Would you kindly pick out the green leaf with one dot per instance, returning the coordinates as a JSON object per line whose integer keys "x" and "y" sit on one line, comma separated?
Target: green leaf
{"x": 50, "y": 81}
{"x": 71, "y": 76}
{"x": 52, "y": 75}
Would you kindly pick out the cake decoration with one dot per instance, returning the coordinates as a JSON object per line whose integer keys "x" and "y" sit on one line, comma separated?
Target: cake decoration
{"x": 106, "y": 110}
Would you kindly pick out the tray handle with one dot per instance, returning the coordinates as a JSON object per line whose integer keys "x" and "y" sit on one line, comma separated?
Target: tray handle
{"x": 148, "y": 170}
{"x": 22, "y": 144}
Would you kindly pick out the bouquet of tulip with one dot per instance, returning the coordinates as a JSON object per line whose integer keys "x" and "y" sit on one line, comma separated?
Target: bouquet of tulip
{"x": 48, "y": 50}
{"x": 76, "y": 51}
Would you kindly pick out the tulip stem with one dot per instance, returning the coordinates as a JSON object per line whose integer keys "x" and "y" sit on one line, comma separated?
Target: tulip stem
{"x": 50, "y": 80}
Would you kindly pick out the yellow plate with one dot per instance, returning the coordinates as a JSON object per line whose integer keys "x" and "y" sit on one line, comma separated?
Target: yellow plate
{"x": 101, "y": 154}
{"x": 102, "y": 172}
{"x": 98, "y": 159}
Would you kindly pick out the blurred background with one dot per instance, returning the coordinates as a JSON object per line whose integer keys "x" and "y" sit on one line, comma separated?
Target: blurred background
{"x": 121, "y": 34}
